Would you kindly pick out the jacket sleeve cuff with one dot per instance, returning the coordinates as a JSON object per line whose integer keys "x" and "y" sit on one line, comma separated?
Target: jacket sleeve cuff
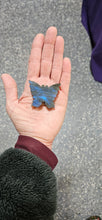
{"x": 37, "y": 148}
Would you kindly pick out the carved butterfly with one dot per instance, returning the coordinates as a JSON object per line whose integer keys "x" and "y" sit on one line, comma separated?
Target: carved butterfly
{"x": 94, "y": 218}
{"x": 43, "y": 94}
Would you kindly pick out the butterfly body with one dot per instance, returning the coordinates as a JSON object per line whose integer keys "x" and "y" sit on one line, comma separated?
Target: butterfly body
{"x": 43, "y": 94}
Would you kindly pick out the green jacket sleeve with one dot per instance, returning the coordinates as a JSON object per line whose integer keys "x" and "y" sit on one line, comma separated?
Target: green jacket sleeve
{"x": 27, "y": 187}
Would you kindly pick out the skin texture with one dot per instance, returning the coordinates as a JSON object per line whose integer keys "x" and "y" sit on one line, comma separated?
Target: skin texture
{"x": 46, "y": 67}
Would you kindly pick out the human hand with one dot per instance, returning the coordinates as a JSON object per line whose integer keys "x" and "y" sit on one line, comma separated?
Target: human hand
{"x": 46, "y": 67}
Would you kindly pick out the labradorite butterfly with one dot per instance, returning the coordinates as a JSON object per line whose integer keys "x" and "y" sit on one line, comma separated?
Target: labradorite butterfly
{"x": 43, "y": 94}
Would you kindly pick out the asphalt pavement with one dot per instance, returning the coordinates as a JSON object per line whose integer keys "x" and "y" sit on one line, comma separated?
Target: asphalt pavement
{"x": 78, "y": 145}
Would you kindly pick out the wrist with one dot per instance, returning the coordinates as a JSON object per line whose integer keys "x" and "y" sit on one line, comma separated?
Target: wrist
{"x": 45, "y": 142}
{"x": 49, "y": 145}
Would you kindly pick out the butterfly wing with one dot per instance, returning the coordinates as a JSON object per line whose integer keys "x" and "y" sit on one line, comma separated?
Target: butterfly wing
{"x": 54, "y": 90}
{"x": 36, "y": 91}
{"x": 51, "y": 95}
{"x": 35, "y": 88}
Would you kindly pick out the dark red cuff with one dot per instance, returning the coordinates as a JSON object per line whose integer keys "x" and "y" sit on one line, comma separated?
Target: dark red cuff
{"x": 39, "y": 149}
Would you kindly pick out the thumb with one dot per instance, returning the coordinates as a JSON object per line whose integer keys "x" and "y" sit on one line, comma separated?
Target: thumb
{"x": 10, "y": 88}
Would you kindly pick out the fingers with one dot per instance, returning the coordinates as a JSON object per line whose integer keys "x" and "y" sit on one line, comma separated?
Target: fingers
{"x": 46, "y": 59}
{"x": 35, "y": 56}
{"x": 10, "y": 88}
{"x": 58, "y": 59}
{"x": 48, "y": 52}
{"x": 66, "y": 75}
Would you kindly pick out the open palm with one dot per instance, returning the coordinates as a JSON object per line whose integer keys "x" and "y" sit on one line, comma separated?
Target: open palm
{"x": 46, "y": 67}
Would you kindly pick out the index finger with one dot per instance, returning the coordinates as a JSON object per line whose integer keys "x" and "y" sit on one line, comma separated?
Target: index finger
{"x": 35, "y": 56}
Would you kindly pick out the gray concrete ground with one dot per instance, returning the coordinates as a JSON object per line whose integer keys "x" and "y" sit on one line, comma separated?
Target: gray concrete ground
{"x": 78, "y": 145}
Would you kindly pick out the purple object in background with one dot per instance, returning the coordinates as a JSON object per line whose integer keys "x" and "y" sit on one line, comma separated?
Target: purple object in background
{"x": 92, "y": 21}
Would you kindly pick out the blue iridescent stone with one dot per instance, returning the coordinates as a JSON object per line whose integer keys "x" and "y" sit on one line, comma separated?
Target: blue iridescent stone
{"x": 43, "y": 94}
